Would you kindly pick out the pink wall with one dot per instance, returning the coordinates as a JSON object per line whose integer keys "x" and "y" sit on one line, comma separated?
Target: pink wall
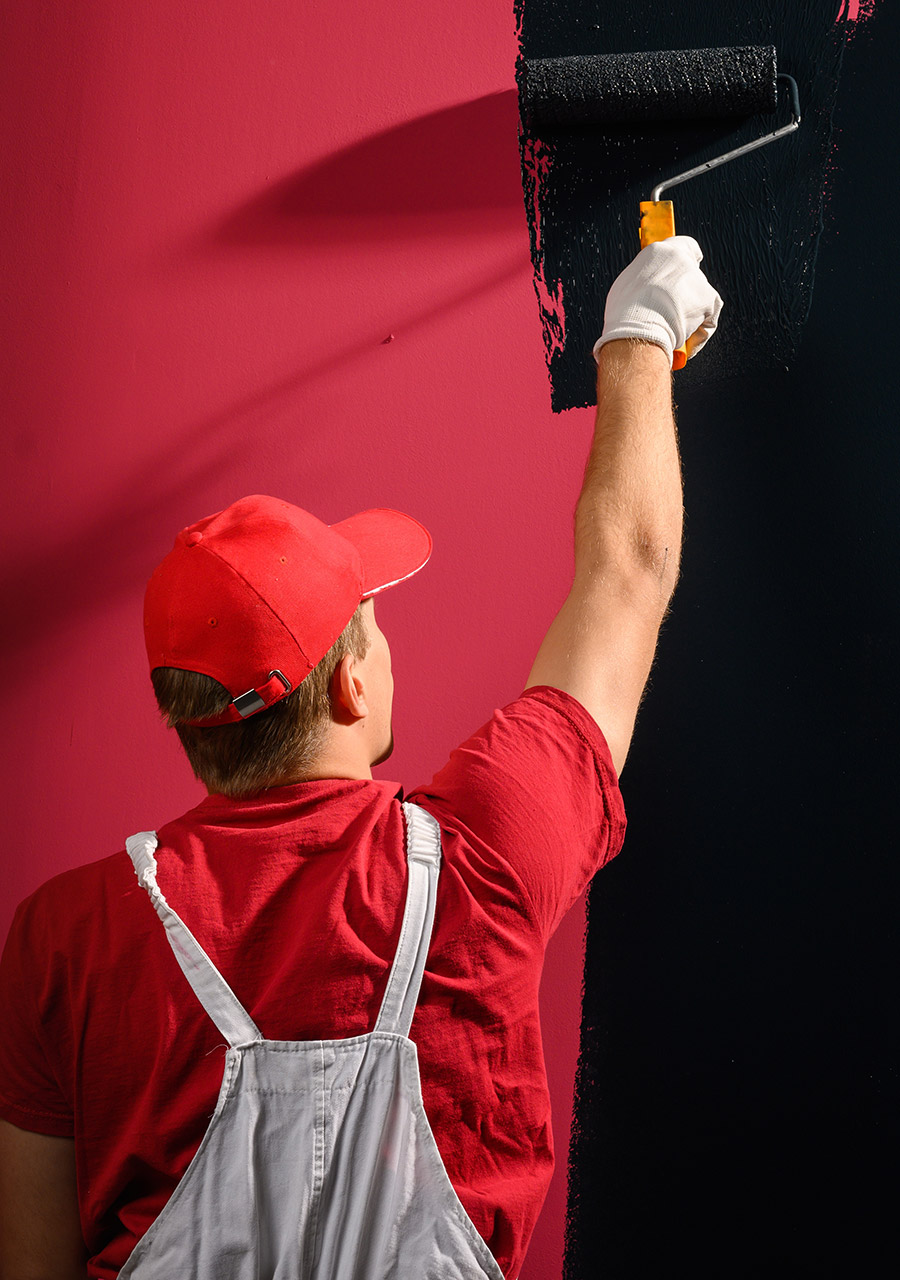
{"x": 216, "y": 215}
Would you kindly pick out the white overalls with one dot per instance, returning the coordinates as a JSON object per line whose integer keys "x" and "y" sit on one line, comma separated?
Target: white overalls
{"x": 319, "y": 1162}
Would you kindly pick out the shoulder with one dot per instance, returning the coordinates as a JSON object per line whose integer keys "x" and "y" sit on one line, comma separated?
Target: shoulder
{"x": 58, "y": 931}
{"x": 549, "y": 721}
{"x": 75, "y": 904}
{"x": 543, "y": 740}
{"x": 533, "y": 792}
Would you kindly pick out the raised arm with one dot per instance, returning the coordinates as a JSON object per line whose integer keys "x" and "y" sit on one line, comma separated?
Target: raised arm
{"x": 628, "y": 519}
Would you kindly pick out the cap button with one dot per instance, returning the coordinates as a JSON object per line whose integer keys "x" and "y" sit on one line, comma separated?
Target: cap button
{"x": 193, "y": 538}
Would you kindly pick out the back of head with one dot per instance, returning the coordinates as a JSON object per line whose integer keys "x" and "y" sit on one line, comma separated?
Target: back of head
{"x": 246, "y": 621}
{"x": 278, "y": 745}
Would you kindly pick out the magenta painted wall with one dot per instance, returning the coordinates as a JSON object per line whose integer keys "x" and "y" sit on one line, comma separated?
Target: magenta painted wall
{"x": 216, "y": 214}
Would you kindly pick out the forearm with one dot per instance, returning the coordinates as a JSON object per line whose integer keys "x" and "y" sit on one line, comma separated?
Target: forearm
{"x": 629, "y": 515}
{"x": 628, "y": 520}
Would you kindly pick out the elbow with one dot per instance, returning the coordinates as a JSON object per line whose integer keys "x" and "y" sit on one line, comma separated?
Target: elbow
{"x": 658, "y": 559}
{"x": 644, "y": 559}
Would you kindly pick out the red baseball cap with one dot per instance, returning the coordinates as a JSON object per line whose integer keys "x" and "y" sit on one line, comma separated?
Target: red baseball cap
{"x": 257, "y": 594}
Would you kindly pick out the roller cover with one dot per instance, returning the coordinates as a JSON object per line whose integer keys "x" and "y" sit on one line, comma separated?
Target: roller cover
{"x": 675, "y": 85}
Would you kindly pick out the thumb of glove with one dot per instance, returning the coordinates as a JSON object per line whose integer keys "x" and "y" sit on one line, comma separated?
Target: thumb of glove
{"x": 662, "y": 296}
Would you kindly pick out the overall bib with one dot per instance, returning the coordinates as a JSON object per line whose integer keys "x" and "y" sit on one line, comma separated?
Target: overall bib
{"x": 319, "y": 1162}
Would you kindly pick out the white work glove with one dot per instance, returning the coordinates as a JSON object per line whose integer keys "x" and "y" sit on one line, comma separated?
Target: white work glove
{"x": 662, "y": 296}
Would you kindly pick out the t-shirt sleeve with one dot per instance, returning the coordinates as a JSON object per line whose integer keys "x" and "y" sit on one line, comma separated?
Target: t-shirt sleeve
{"x": 537, "y": 786}
{"x": 30, "y": 1093}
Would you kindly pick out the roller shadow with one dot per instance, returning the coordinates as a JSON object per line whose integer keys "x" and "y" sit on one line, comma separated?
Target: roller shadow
{"x": 192, "y": 478}
{"x": 453, "y": 169}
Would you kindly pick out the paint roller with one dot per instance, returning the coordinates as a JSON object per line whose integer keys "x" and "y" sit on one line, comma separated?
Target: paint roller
{"x": 645, "y": 88}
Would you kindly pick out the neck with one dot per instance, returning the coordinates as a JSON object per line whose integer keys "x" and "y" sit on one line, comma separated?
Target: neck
{"x": 344, "y": 753}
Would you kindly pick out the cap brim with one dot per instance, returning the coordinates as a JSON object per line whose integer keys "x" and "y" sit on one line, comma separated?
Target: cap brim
{"x": 392, "y": 546}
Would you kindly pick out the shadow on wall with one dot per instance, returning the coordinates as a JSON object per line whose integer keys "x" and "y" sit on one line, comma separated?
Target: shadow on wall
{"x": 197, "y": 469}
{"x": 445, "y": 172}
{"x": 455, "y": 170}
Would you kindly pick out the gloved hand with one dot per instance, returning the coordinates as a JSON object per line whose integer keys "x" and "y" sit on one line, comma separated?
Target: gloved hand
{"x": 662, "y": 296}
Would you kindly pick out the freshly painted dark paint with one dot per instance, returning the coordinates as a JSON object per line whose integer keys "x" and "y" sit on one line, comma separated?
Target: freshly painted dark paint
{"x": 736, "y": 1109}
{"x": 758, "y": 219}
{"x": 649, "y": 86}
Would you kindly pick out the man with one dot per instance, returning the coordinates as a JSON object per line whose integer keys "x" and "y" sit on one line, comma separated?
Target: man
{"x": 282, "y": 893}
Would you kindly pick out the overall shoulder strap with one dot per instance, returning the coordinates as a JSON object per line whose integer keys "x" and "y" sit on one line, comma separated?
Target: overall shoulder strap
{"x": 423, "y": 856}
{"x": 207, "y": 983}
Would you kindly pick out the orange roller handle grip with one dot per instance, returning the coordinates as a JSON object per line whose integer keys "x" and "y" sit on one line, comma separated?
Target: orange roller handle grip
{"x": 658, "y": 223}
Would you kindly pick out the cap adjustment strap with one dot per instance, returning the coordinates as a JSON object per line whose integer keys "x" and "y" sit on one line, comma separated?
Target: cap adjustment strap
{"x": 247, "y": 704}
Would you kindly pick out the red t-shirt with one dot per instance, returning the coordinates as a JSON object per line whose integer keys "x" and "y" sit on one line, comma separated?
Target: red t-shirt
{"x": 297, "y": 896}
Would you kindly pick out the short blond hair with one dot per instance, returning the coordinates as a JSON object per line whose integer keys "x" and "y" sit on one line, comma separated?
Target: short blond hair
{"x": 269, "y": 749}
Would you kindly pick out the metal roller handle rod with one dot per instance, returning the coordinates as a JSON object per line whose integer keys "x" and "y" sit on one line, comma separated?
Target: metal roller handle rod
{"x": 657, "y": 191}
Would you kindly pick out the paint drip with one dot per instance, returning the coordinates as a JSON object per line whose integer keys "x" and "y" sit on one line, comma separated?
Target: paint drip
{"x": 758, "y": 219}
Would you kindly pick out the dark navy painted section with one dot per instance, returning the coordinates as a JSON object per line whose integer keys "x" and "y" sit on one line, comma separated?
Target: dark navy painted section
{"x": 758, "y": 219}
{"x": 736, "y": 1111}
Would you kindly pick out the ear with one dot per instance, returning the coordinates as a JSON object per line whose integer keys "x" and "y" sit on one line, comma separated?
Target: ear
{"x": 348, "y": 692}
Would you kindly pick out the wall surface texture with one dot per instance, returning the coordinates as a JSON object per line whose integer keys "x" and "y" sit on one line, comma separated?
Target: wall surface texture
{"x": 215, "y": 216}
{"x": 283, "y": 248}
